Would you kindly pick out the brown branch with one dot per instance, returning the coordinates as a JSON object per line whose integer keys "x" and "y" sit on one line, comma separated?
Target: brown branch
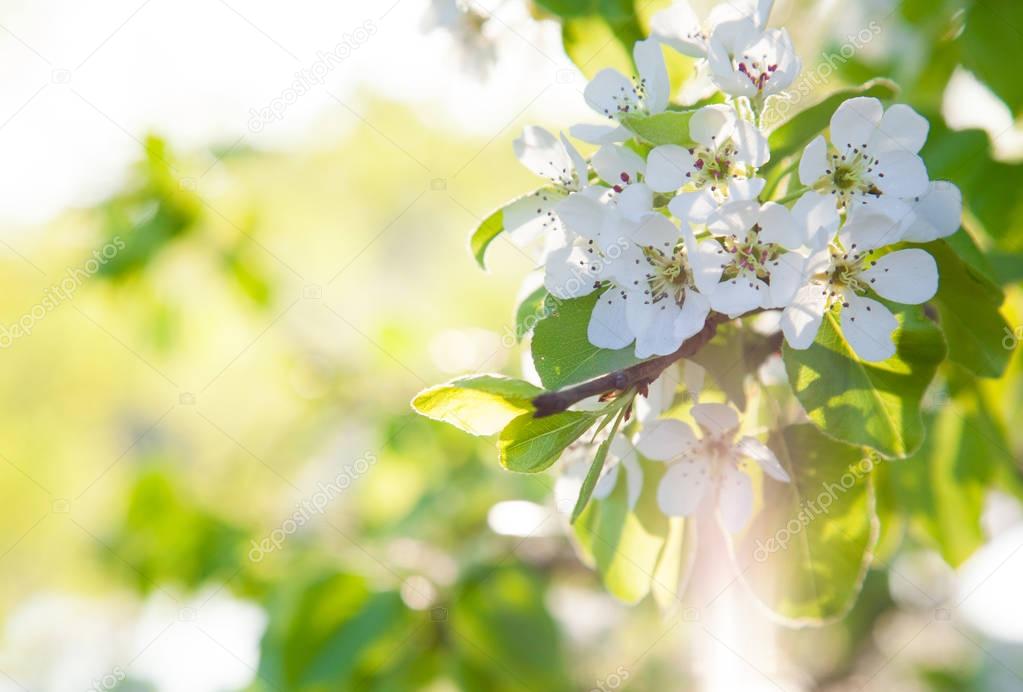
{"x": 639, "y": 375}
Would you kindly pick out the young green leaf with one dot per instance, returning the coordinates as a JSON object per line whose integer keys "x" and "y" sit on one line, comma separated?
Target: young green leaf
{"x": 625, "y": 545}
{"x": 562, "y": 352}
{"x": 669, "y": 127}
{"x": 530, "y": 311}
{"x": 478, "y": 404}
{"x": 806, "y": 553}
{"x": 531, "y": 445}
{"x": 590, "y": 482}
{"x": 509, "y": 217}
{"x": 876, "y": 404}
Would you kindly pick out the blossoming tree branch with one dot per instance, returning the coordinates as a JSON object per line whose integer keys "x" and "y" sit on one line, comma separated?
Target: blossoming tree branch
{"x": 731, "y": 319}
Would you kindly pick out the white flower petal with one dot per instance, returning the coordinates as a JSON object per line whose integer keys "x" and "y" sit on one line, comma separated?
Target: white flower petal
{"x": 633, "y": 478}
{"x": 569, "y": 273}
{"x": 683, "y": 487}
{"x": 738, "y": 296}
{"x": 635, "y": 201}
{"x": 578, "y": 163}
{"x": 608, "y": 327}
{"x": 660, "y": 395}
{"x": 787, "y": 275}
{"x": 751, "y": 144}
{"x": 716, "y": 419}
{"x": 762, "y": 454}
{"x": 814, "y": 163}
{"x": 778, "y": 226}
{"x": 582, "y": 215}
{"x": 904, "y": 276}
{"x": 543, "y": 154}
{"x": 801, "y": 320}
{"x": 692, "y": 317}
{"x": 817, "y": 219}
{"x": 656, "y": 231}
{"x": 869, "y": 231}
{"x": 609, "y": 93}
{"x": 745, "y": 188}
{"x": 868, "y": 327}
{"x": 901, "y": 128}
{"x": 668, "y": 167}
{"x": 693, "y": 375}
{"x": 650, "y": 63}
{"x": 600, "y": 134}
{"x": 617, "y": 164}
{"x": 710, "y": 126}
{"x": 937, "y": 214}
{"x": 901, "y": 174}
{"x": 654, "y": 326}
{"x": 679, "y": 27}
{"x": 666, "y": 440}
{"x": 735, "y": 499}
{"x": 693, "y": 207}
{"x": 854, "y": 122}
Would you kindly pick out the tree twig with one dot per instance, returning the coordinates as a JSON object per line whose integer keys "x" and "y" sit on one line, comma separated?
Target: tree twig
{"x": 639, "y": 375}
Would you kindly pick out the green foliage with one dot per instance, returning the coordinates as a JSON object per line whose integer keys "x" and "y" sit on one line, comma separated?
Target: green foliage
{"x": 529, "y": 312}
{"x": 968, "y": 305}
{"x": 806, "y": 554}
{"x": 669, "y": 127}
{"x": 478, "y": 404}
{"x": 331, "y": 630}
{"x": 623, "y": 545}
{"x": 502, "y": 635}
{"x": 941, "y": 488}
{"x": 153, "y": 212}
{"x": 872, "y": 404}
{"x": 531, "y": 445}
{"x": 562, "y": 352}
{"x": 992, "y": 26}
{"x": 166, "y": 537}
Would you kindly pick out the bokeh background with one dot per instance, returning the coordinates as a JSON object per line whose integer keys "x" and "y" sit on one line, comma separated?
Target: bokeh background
{"x": 234, "y": 246}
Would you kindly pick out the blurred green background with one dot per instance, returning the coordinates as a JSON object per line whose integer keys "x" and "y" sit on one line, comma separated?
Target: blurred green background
{"x": 210, "y": 477}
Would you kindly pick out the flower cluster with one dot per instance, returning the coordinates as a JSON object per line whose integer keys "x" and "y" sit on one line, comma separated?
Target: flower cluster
{"x": 667, "y": 234}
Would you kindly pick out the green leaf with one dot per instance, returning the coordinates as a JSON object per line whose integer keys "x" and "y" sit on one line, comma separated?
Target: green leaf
{"x": 518, "y": 210}
{"x": 872, "y": 404}
{"x": 675, "y": 564}
{"x": 331, "y": 630}
{"x": 529, "y": 312}
{"x": 625, "y": 546}
{"x": 531, "y": 445}
{"x": 991, "y": 26}
{"x": 590, "y": 482}
{"x": 968, "y": 305}
{"x": 805, "y": 555}
{"x": 562, "y": 352}
{"x": 501, "y": 634}
{"x": 478, "y": 404}
{"x": 941, "y": 488}
{"x": 791, "y": 136}
{"x": 669, "y": 127}
{"x": 592, "y": 45}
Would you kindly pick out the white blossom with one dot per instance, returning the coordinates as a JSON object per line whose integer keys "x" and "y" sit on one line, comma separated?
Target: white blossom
{"x": 838, "y": 275}
{"x": 679, "y": 26}
{"x": 614, "y": 96}
{"x": 709, "y": 467}
{"x": 746, "y": 60}
{"x": 718, "y": 168}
